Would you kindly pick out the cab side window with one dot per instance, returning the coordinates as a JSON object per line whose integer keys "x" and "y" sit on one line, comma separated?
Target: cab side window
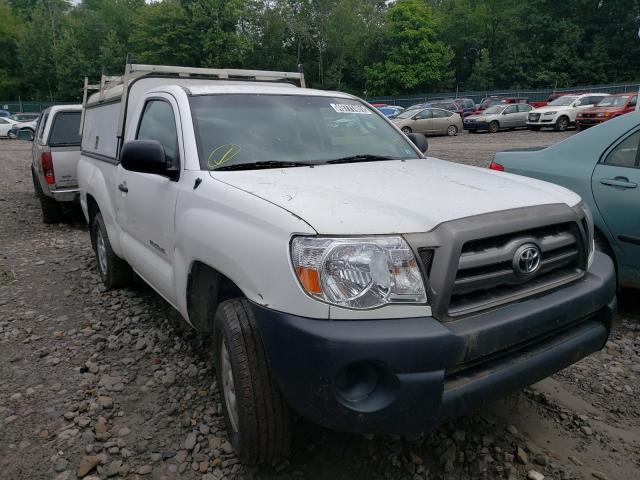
{"x": 511, "y": 109}
{"x": 625, "y": 154}
{"x": 425, "y": 114}
{"x": 633, "y": 101}
{"x": 158, "y": 123}
{"x": 41, "y": 124}
{"x": 524, "y": 108}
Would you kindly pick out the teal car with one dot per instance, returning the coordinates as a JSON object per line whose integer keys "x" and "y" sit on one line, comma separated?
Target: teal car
{"x": 602, "y": 165}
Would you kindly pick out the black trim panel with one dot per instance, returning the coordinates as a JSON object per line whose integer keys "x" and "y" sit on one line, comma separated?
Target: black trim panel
{"x": 99, "y": 156}
{"x": 629, "y": 239}
{"x": 103, "y": 103}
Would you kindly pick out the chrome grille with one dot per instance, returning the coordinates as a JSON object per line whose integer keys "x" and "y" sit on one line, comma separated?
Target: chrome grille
{"x": 487, "y": 274}
{"x": 534, "y": 117}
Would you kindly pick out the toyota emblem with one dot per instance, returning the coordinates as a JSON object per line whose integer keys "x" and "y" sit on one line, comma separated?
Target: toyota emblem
{"x": 526, "y": 260}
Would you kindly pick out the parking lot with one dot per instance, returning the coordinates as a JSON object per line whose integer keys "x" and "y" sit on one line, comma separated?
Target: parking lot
{"x": 114, "y": 379}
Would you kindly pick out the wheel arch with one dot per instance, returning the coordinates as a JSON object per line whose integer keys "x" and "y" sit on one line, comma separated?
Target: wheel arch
{"x": 206, "y": 289}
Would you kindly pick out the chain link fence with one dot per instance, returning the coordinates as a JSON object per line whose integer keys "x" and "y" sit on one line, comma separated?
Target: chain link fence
{"x": 17, "y": 106}
{"x": 477, "y": 96}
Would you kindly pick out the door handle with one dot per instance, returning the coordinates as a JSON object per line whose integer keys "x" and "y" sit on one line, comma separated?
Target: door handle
{"x": 620, "y": 182}
{"x": 123, "y": 188}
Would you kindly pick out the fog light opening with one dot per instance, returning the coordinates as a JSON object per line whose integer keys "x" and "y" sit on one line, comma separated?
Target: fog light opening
{"x": 366, "y": 386}
{"x": 356, "y": 382}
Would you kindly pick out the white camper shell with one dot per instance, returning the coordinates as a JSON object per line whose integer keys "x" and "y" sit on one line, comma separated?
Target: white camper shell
{"x": 118, "y": 98}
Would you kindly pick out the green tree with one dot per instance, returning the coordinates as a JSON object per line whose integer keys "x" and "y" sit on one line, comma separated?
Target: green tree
{"x": 11, "y": 29}
{"x": 413, "y": 59}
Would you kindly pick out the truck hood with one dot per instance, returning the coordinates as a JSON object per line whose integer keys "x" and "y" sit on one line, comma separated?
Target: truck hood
{"x": 602, "y": 110}
{"x": 392, "y": 196}
{"x": 479, "y": 117}
{"x": 552, "y": 108}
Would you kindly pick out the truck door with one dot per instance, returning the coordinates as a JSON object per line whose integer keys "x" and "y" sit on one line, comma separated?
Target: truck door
{"x": 616, "y": 189}
{"x": 147, "y": 202}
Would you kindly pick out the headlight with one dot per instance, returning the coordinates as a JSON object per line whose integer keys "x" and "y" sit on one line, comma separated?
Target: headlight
{"x": 600, "y": 114}
{"x": 358, "y": 273}
{"x": 550, "y": 113}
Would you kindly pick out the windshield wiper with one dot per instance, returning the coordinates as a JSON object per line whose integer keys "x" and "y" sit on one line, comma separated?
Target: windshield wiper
{"x": 263, "y": 164}
{"x": 361, "y": 158}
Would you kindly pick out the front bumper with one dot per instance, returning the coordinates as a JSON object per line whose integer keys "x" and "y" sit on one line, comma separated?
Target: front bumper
{"x": 589, "y": 122}
{"x": 407, "y": 375}
{"x": 476, "y": 125}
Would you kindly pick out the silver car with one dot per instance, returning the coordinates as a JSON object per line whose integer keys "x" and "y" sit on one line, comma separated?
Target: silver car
{"x": 429, "y": 121}
{"x": 504, "y": 116}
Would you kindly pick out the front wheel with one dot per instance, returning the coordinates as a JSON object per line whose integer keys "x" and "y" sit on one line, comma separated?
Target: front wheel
{"x": 406, "y": 130}
{"x": 452, "y": 131}
{"x": 257, "y": 418}
{"x": 561, "y": 124}
{"x": 493, "y": 127}
{"x": 114, "y": 272}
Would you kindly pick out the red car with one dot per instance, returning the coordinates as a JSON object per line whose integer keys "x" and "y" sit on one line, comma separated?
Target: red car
{"x": 610, "y": 107}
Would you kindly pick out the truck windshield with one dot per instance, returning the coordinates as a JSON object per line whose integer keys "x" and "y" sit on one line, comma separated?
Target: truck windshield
{"x": 493, "y": 110}
{"x": 562, "y": 101}
{"x": 237, "y": 129}
{"x": 614, "y": 101}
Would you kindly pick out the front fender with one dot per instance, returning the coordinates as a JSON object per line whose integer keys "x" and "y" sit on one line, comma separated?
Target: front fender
{"x": 243, "y": 237}
{"x": 94, "y": 176}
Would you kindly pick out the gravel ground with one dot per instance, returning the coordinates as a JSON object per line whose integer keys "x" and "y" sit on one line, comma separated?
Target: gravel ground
{"x": 478, "y": 148}
{"x": 100, "y": 384}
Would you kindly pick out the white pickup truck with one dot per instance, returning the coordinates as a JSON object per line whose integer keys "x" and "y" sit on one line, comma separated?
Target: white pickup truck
{"x": 55, "y": 154}
{"x": 343, "y": 274}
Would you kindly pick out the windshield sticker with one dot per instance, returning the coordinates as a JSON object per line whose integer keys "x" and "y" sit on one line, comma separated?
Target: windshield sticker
{"x": 222, "y": 154}
{"x": 344, "y": 108}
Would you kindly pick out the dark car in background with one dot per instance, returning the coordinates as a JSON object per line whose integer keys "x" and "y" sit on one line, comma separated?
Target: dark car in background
{"x": 610, "y": 107}
{"x": 390, "y": 111}
{"x": 467, "y": 105}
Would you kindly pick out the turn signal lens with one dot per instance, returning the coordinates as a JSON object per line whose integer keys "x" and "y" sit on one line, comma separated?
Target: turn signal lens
{"x": 310, "y": 279}
{"x": 496, "y": 166}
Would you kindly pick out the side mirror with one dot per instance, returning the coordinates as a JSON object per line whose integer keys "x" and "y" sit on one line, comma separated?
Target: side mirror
{"x": 419, "y": 141}
{"x": 25, "y": 135}
{"x": 144, "y": 156}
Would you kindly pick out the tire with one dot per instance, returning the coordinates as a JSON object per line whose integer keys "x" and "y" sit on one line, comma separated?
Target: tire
{"x": 51, "y": 209}
{"x": 259, "y": 425}
{"x": 561, "y": 124}
{"x": 533, "y": 128}
{"x": 114, "y": 272}
{"x": 406, "y": 130}
{"x": 452, "y": 131}
{"x": 494, "y": 127}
